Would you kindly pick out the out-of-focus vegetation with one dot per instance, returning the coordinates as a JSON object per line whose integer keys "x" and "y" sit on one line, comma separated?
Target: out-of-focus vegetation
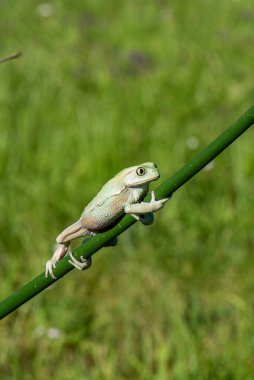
{"x": 103, "y": 85}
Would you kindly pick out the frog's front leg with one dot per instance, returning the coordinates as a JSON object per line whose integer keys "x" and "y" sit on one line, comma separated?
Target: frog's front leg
{"x": 143, "y": 211}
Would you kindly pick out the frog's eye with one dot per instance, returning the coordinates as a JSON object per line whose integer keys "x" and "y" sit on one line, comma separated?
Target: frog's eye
{"x": 141, "y": 171}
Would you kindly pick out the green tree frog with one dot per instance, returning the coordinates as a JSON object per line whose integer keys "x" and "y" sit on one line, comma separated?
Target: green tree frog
{"x": 121, "y": 194}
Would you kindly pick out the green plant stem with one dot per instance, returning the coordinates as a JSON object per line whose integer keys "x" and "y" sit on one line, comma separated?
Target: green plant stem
{"x": 169, "y": 186}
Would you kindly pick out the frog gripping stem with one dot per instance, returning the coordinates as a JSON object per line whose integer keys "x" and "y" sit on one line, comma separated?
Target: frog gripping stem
{"x": 169, "y": 186}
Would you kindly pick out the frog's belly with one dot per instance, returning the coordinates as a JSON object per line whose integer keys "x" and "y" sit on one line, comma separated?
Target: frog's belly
{"x": 102, "y": 216}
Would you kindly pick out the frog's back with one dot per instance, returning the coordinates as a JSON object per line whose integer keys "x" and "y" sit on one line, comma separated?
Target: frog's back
{"x": 106, "y": 206}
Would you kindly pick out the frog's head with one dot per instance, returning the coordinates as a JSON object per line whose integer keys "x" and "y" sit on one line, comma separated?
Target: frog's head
{"x": 140, "y": 174}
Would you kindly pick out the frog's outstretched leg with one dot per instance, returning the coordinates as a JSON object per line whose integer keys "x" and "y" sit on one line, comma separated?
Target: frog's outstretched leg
{"x": 74, "y": 231}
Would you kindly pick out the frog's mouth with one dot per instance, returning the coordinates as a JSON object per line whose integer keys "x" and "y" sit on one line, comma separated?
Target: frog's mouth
{"x": 155, "y": 177}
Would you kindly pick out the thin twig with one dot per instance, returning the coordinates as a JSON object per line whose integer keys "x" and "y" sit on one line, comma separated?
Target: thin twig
{"x": 10, "y": 57}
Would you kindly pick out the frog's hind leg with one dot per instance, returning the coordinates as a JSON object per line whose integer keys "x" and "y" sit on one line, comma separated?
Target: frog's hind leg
{"x": 72, "y": 232}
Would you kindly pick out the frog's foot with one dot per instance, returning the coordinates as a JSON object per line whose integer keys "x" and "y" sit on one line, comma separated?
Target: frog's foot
{"x": 84, "y": 264}
{"x": 61, "y": 250}
{"x": 157, "y": 205}
{"x": 50, "y": 265}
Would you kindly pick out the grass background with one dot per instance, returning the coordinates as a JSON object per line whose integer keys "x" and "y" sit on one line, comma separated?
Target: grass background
{"x": 103, "y": 85}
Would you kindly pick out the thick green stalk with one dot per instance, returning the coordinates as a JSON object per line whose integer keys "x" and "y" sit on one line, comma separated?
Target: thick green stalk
{"x": 169, "y": 186}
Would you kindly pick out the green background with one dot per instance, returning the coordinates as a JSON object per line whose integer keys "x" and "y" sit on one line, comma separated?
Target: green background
{"x": 103, "y": 85}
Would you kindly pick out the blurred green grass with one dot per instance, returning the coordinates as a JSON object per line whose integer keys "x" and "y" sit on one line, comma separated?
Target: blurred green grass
{"x": 103, "y": 85}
